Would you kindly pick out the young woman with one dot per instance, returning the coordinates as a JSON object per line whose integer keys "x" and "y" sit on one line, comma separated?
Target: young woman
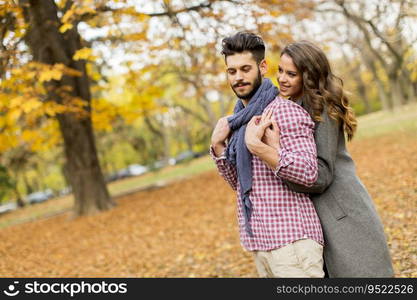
{"x": 355, "y": 243}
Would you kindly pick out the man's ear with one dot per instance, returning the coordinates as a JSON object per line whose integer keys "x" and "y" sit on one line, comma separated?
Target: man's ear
{"x": 263, "y": 67}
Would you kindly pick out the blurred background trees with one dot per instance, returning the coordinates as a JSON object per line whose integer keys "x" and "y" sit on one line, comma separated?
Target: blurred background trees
{"x": 90, "y": 87}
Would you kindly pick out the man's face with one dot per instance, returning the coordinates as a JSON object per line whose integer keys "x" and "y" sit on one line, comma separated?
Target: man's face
{"x": 244, "y": 74}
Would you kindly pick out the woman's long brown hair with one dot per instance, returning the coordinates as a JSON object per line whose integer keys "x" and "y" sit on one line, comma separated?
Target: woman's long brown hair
{"x": 321, "y": 88}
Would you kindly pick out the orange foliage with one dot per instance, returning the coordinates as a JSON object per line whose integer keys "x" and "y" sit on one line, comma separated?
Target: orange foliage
{"x": 189, "y": 229}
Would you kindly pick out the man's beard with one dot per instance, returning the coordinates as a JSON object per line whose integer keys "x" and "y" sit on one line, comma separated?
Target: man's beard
{"x": 256, "y": 84}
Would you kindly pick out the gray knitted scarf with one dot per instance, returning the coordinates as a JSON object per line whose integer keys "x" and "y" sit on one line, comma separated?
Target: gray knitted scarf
{"x": 237, "y": 153}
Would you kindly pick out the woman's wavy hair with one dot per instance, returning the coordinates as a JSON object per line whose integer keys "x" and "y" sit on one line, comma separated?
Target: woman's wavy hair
{"x": 321, "y": 88}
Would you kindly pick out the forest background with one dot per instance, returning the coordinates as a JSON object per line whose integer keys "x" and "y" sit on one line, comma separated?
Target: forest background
{"x": 89, "y": 88}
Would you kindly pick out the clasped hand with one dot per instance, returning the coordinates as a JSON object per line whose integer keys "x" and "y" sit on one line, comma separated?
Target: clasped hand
{"x": 262, "y": 130}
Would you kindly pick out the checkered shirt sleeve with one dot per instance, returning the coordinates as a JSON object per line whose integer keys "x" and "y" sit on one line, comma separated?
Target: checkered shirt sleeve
{"x": 298, "y": 154}
{"x": 225, "y": 169}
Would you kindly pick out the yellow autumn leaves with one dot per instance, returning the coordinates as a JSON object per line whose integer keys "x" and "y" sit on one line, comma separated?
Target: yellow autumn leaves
{"x": 74, "y": 13}
{"x": 39, "y": 72}
{"x": 84, "y": 53}
{"x": 25, "y": 112}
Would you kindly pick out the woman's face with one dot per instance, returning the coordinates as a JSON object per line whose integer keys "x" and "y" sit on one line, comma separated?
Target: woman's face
{"x": 289, "y": 78}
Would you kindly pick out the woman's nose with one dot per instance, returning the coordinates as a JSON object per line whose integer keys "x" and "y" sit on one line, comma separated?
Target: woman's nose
{"x": 282, "y": 78}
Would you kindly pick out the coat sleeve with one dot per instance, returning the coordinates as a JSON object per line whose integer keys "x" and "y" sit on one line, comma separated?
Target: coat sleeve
{"x": 326, "y": 138}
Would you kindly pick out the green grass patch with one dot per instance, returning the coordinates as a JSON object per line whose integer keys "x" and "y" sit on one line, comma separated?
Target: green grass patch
{"x": 402, "y": 120}
{"x": 167, "y": 174}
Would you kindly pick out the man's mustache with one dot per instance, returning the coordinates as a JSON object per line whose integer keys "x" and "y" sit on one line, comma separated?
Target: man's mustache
{"x": 240, "y": 84}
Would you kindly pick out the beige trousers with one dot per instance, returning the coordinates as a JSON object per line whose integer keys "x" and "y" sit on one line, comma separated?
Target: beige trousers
{"x": 303, "y": 258}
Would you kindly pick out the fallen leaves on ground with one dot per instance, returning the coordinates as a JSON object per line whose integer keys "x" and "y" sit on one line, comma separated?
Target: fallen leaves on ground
{"x": 189, "y": 229}
{"x": 388, "y": 167}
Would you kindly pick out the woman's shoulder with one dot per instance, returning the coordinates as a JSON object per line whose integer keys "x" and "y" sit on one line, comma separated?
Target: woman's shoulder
{"x": 282, "y": 103}
{"x": 287, "y": 110}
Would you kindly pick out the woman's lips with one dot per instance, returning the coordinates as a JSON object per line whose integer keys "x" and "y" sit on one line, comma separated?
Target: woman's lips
{"x": 284, "y": 88}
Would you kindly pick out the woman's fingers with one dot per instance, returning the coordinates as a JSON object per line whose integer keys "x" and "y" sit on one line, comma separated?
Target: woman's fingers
{"x": 255, "y": 120}
{"x": 265, "y": 120}
{"x": 265, "y": 124}
{"x": 267, "y": 115}
{"x": 263, "y": 116}
{"x": 275, "y": 125}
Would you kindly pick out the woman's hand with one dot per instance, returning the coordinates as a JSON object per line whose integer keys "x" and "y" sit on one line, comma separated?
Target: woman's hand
{"x": 272, "y": 134}
{"x": 255, "y": 131}
{"x": 262, "y": 139}
{"x": 262, "y": 129}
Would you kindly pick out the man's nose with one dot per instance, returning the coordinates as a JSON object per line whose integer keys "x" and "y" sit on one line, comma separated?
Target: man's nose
{"x": 239, "y": 76}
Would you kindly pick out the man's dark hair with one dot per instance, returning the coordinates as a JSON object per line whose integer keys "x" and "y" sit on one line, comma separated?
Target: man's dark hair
{"x": 244, "y": 41}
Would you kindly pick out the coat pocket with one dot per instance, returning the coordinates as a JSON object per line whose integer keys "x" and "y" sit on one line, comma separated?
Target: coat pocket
{"x": 335, "y": 207}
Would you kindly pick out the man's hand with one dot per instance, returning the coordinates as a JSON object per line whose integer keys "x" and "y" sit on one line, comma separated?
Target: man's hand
{"x": 219, "y": 136}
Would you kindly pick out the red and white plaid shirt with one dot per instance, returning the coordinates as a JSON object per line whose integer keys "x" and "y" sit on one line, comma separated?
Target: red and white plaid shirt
{"x": 279, "y": 215}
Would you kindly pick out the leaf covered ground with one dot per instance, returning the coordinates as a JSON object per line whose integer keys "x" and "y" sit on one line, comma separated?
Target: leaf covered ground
{"x": 188, "y": 228}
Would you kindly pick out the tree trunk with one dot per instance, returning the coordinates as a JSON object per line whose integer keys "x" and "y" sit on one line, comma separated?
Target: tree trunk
{"x": 16, "y": 177}
{"x": 165, "y": 141}
{"x": 28, "y": 186}
{"x": 361, "y": 89}
{"x": 364, "y": 96}
{"x": 397, "y": 94}
{"x": 19, "y": 199}
{"x": 408, "y": 86}
{"x": 384, "y": 97}
{"x": 49, "y": 46}
{"x": 414, "y": 91}
{"x": 412, "y": 95}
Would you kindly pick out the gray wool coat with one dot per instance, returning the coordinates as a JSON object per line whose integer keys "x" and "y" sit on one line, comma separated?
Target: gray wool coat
{"x": 355, "y": 243}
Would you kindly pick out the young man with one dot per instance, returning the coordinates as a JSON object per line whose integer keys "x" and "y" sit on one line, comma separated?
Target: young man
{"x": 278, "y": 225}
